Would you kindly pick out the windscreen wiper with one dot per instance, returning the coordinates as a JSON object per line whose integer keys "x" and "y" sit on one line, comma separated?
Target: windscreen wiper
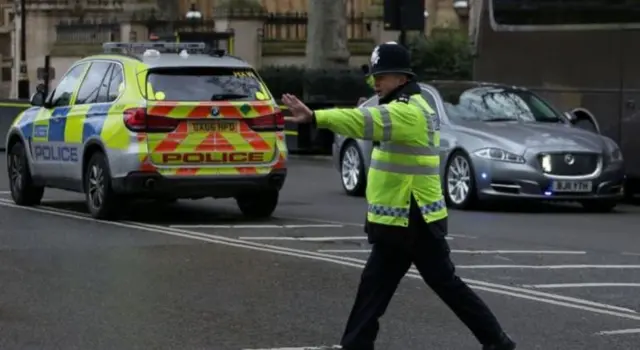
{"x": 218, "y": 97}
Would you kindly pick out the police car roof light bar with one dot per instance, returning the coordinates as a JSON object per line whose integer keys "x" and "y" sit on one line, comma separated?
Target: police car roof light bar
{"x": 162, "y": 47}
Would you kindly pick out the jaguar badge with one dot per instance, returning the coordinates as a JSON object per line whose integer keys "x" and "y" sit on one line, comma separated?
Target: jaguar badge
{"x": 569, "y": 159}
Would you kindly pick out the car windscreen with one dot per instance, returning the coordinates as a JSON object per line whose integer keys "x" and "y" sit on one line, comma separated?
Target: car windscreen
{"x": 497, "y": 104}
{"x": 205, "y": 84}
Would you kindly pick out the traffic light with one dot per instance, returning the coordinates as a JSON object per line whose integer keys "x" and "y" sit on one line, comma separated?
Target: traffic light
{"x": 404, "y": 15}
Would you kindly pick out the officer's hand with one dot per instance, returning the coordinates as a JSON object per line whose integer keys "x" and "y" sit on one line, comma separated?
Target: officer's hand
{"x": 300, "y": 113}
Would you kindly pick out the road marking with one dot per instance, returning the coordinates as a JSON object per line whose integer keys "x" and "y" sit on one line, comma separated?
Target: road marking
{"x": 579, "y": 285}
{"x": 312, "y": 239}
{"x": 549, "y": 267}
{"x": 620, "y": 331}
{"x": 521, "y": 293}
{"x": 259, "y": 226}
{"x": 350, "y": 224}
{"x": 5, "y": 192}
{"x": 308, "y": 239}
{"x": 336, "y": 347}
{"x": 458, "y": 251}
{"x": 632, "y": 254}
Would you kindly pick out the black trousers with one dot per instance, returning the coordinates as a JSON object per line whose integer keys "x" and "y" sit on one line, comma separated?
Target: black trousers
{"x": 425, "y": 246}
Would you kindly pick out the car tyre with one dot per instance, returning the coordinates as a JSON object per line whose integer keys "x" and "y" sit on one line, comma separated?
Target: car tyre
{"x": 600, "y": 206}
{"x": 459, "y": 174}
{"x": 103, "y": 203}
{"x": 23, "y": 190}
{"x": 259, "y": 205}
{"x": 352, "y": 172}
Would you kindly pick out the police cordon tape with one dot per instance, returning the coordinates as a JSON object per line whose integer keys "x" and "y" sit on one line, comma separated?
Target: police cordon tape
{"x": 300, "y": 138}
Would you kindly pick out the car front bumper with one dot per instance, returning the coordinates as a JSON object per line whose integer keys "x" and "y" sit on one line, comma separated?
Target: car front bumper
{"x": 503, "y": 180}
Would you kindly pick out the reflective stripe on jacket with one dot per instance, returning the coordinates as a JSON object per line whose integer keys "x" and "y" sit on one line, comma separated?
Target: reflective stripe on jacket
{"x": 407, "y": 161}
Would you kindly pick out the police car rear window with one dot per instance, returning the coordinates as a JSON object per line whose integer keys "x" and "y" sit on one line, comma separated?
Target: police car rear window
{"x": 205, "y": 84}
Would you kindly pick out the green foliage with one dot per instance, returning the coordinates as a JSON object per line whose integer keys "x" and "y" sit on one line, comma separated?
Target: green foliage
{"x": 336, "y": 86}
{"x": 445, "y": 54}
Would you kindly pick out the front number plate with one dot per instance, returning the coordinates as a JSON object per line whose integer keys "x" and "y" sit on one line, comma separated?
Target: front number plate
{"x": 216, "y": 126}
{"x": 572, "y": 186}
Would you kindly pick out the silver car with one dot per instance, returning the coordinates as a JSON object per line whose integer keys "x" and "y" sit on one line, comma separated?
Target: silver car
{"x": 504, "y": 142}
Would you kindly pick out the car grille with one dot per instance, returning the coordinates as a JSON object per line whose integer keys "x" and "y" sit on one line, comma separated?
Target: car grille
{"x": 583, "y": 163}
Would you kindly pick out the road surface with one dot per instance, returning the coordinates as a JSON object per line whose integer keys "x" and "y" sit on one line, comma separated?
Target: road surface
{"x": 196, "y": 275}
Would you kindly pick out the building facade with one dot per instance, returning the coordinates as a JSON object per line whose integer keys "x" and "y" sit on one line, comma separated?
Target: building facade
{"x": 273, "y": 35}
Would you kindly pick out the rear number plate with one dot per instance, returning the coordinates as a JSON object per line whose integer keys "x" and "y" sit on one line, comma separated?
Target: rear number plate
{"x": 214, "y": 126}
{"x": 572, "y": 186}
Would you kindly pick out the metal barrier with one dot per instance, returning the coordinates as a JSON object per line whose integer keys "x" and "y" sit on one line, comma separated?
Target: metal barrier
{"x": 299, "y": 138}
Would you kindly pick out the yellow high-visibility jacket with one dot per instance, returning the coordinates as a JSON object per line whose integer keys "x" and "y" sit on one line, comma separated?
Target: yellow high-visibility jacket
{"x": 406, "y": 163}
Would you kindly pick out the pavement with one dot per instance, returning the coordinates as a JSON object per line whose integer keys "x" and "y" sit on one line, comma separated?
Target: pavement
{"x": 196, "y": 275}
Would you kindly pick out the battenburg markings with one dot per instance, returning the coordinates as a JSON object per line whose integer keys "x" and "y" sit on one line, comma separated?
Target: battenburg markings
{"x": 26, "y": 121}
{"x": 40, "y": 131}
{"x": 57, "y": 124}
{"x": 94, "y": 122}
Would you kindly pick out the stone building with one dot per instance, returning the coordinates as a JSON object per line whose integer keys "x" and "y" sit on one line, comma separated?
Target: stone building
{"x": 264, "y": 32}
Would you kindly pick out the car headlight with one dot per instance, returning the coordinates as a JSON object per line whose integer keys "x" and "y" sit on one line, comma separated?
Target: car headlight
{"x": 499, "y": 154}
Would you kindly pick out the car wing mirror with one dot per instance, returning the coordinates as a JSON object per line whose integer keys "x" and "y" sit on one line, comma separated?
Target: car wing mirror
{"x": 37, "y": 99}
{"x": 584, "y": 119}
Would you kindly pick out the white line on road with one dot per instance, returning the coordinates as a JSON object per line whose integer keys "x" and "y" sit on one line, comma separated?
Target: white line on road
{"x": 579, "y": 285}
{"x": 5, "y": 192}
{"x": 631, "y": 254}
{"x": 458, "y": 251}
{"x": 310, "y": 239}
{"x": 259, "y": 226}
{"x": 337, "y": 347}
{"x": 549, "y": 267}
{"x": 620, "y": 331}
{"x": 521, "y": 293}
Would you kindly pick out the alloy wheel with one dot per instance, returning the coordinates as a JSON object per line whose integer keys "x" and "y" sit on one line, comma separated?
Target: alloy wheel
{"x": 15, "y": 172}
{"x": 350, "y": 168}
{"x": 96, "y": 186}
{"x": 459, "y": 180}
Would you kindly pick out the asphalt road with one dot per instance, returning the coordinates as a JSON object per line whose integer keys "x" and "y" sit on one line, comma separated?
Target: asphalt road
{"x": 195, "y": 275}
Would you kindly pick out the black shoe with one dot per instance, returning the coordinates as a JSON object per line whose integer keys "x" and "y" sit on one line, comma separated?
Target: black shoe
{"x": 505, "y": 344}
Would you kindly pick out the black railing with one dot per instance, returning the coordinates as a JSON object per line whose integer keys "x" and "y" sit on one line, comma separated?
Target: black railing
{"x": 293, "y": 26}
{"x": 83, "y": 31}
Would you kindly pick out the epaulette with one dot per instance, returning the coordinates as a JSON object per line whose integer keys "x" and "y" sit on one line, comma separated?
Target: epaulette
{"x": 404, "y": 98}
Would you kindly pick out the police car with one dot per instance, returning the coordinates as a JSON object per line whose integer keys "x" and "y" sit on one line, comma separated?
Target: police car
{"x": 152, "y": 120}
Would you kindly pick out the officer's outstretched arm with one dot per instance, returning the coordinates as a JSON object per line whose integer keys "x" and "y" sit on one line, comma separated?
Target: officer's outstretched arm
{"x": 389, "y": 122}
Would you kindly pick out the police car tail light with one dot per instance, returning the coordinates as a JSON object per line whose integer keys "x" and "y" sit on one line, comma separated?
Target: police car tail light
{"x": 137, "y": 119}
{"x": 271, "y": 122}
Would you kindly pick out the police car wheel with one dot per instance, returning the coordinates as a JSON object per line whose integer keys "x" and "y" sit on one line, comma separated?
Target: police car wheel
{"x": 258, "y": 205}
{"x": 23, "y": 191}
{"x": 459, "y": 182}
{"x": 352, "y": 173}
{"x": 102, "y": 202}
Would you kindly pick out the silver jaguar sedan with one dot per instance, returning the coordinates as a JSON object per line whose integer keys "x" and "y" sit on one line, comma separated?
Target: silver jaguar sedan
{"x": 504, "y": 142}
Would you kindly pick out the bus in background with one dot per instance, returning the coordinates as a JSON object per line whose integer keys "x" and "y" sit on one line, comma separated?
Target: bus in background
{"x": 583, "y": 55}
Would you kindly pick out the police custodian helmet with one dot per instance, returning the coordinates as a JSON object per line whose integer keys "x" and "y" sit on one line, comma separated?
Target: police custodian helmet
{"x": 390, "y": 58}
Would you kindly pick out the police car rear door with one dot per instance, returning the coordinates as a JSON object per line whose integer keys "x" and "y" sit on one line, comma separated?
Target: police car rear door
{"x": 48, "y": 142}
{"x": 200, "y": 118}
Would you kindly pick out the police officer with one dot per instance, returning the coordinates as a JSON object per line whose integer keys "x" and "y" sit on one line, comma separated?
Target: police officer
{"x": 407, "y": 215}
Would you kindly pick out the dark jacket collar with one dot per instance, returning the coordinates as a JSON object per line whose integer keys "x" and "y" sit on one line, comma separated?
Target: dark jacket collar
{"x": 406, "y": 90}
